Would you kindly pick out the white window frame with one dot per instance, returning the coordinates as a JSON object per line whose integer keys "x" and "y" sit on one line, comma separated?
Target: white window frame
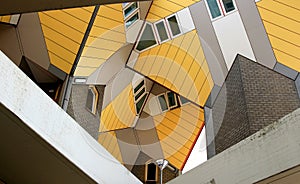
{"x": 155, "y": 37}
{"x": 169, "y": 27}
{"x": 167, "y": 30}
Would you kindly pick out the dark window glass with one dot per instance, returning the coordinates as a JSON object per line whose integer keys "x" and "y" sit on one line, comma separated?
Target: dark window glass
{"x": 162, "y": 32}
{"x": 163, "y": 102}
{"x": 140, "y": 94}
{"x": 174, "y": 25}
{"x": 151, "y": 172}
{"x": 130, "y": 9}
{"x": 140, "y": 103}
{"x": 214, "y": 9}
{"x": 183, "y": 100}
{"x": 147, "y": 39}
{"x": 139, "y": 86}
{"x": 171, "y": 99}
{"x": 130, "y": 21}
{"x": 229, "y": 6}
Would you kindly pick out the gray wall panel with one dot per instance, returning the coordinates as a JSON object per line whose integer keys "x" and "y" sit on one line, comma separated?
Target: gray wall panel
{"x": 210, "y": 44}
{"x": 256, "y": 33}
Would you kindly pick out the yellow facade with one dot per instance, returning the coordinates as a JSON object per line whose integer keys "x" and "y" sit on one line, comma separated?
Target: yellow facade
{"x": 120, "y": 113}
{"x": 281, "y": 19}
{"x": 179, "y": 65}
{"x": 177, "y": 130}
{"x": 5, "y": 19}
{"x": 63, "y": 31}
{"x": 109, "y": 141}
{"x": 163, "y": 8}
{"x": 106, "y": 37}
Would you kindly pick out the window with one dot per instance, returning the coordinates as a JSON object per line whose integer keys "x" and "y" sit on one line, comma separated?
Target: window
{"x": 214, "y": 8}
{"x": 130, "y": 13}
{"x": 147, "y": 38}
{"x": 173, "y": 25}
{"x": 163, "y": 102}
{"x": 92, "y": 99}
{"x": 131, "y": 20}
{"x": 151, "y": 172}
{"x": 183, "y": 100}
{"x": 172, "y": 99}
{"x": 130, "y": 9}
{"x": 219, "y": 8}
{"x": 162, "y": 31}
{"x": 140, "y": 96}
{"x": 168, "y": 101}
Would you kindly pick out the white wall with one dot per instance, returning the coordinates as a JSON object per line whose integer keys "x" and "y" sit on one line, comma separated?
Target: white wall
{"x": 232, "y": 38}
{"x": 27, "y": 101}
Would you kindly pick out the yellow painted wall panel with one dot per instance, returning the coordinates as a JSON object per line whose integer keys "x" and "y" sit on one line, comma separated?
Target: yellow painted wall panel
{"x": 284, "y": 46}
{"x": 61, "y": 39}
{"x": 6, "y": 18}
{"x": 165, "y": 68}
{"x": 205, "y": 91}
{"x": 111, "y": 13}
{"x": 287, "y": 35}
{"x": 287, "y": 60}
{"x": 277, "y": 19}
{"x": 188, "y": 38}
{"x": 194, "y": 70}
{"x": 82, "y": 71}
{"x": 80, "y": 13}
{"x": 96, "y": 53}
{"x": 187, "y": 85}
{"x": 60, "y": 63}
{"x": 161, "y": 12}
{"x": 61, "y": 28}
{"x": 173, "y": 7}
{"x": 291, "y": 3}
{"x": 107, "y": 23}
{"x": 104, "y": 44}
{"x": 280, "y": 8}
{"x": 66, "y": 18}
{"x": 60, "y": 51}
{"x": 90, "y": 62}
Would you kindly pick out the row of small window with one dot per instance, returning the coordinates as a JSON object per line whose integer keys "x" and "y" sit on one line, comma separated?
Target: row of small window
{"x": 159, "y": 32}
{"x": 219, "y": 8}
{"x": 131, "y": 13}
{"x": 140, "y": 96}
{"x": 170, "y": 100}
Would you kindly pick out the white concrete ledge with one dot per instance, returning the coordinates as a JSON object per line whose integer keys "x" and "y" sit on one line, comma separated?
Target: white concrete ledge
{"x": 270, "y": 151}
{"x": 29, "y": 103}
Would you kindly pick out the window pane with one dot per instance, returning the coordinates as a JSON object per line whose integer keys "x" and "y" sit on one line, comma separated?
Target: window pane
{"x": 147, "y": 39}
{"x": 229, "y": 6}
{"x": 183, "y": 100}
{"x": 138, "y": 86}
{"x": 130, "y": 9}
{"x": 163, "y": 102}
{"x": 171, "y": 99}
{"x": 140, "y": 103}
{"x": 140, "y": 94}
{"x": 162, "y": 32}
{"x": 124, "y": 4}
{"x": 151, "y": 172}
{"x": 132, "y": 20}
{"x": 174, "y": 25}
{"x": 214, "y": 8}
